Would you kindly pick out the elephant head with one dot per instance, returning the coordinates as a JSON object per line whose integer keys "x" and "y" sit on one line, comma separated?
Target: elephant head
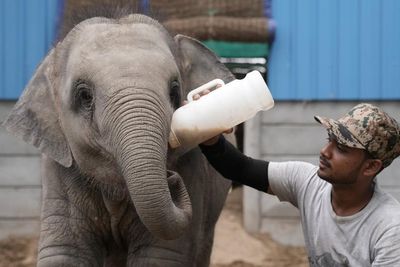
{"x": 101, "y": 102}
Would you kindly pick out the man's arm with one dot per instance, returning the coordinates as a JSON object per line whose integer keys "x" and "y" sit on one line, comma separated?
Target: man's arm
{"x": 387, "y": 249}
{"x": 235, "y": 166}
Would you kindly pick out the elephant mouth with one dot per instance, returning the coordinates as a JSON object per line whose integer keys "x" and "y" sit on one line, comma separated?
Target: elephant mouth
{"x": 173, "y": 156}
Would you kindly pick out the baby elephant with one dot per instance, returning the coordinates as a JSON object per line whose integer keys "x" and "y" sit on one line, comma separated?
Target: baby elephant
{"x": 99, "y": 109}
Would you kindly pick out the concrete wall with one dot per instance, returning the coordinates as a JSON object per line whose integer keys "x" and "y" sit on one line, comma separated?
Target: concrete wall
{"x": 19, "y": 183}
{"x": 289, "y": 132}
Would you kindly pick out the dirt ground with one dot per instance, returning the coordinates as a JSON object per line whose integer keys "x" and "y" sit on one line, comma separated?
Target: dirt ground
{"x": 233, "y": 247}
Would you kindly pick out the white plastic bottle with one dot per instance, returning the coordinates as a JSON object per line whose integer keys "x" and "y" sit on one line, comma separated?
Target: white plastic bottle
{"x": 220, "y": 110}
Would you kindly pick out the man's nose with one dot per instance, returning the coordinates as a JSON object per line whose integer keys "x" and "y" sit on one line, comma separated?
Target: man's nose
{"x": 326, "y": 150}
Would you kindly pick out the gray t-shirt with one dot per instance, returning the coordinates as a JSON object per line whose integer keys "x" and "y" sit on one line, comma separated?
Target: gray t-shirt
{"x": 370, "y": 237}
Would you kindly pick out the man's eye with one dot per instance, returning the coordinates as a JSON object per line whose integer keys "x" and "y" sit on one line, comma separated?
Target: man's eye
{"x": 341, "y": 148}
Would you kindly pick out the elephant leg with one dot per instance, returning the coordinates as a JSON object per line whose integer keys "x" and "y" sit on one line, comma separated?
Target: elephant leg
{"x": 62, "y": 243}
{"x": 203, "y": 256}
{"x": 70, "y": 227}
{"x": 68, "y": 240}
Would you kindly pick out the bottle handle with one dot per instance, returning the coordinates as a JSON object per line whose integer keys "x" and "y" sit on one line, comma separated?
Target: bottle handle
{"x": 209, "y": 85}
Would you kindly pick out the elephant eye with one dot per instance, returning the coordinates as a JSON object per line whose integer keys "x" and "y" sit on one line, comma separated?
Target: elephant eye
{"x": 84, "y": 96}
{"x": 174, "y": 94}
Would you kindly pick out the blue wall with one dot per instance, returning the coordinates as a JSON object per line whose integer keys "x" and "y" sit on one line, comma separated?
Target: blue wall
{"x": 336, "y": 50}
{"x": 27, "y": 30}
{"x": 324, "y": 49}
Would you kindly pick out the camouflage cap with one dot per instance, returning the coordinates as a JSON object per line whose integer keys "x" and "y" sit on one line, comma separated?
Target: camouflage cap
{"x": 367, "y": 127}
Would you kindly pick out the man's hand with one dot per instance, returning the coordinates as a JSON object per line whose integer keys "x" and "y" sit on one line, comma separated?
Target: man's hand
{"x": 214, "y": 139}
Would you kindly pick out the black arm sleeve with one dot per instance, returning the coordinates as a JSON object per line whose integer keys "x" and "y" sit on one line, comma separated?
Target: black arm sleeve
{"x": 235, "y": 166}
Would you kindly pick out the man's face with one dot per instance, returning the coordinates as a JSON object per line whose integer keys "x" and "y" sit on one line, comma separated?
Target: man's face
{"x": 340, "y": 164}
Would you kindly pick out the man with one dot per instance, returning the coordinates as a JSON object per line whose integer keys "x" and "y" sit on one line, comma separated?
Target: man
{"x": 347, "y": 219}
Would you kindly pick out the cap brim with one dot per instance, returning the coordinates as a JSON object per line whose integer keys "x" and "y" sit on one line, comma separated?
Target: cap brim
{"x": 341, "y": 133}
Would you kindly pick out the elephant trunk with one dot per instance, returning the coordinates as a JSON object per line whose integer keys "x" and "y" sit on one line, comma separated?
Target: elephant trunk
{"x": 139, "y": 133}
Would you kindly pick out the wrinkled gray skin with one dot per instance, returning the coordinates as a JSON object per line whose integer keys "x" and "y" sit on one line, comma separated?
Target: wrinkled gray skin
{"x": 99, "y": 108}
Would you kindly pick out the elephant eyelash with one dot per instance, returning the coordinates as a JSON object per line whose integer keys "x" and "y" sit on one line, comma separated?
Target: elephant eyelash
{"x": 84, "y": 98}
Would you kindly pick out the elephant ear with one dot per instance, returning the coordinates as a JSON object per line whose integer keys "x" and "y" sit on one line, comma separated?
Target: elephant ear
{"x": 35, "y": 118}
{"x": 200, "y": 65}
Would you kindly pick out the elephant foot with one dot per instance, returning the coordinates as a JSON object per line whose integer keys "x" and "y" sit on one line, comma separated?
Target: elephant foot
{"x": 158, "y": 257}
{"x": 66, "y": 256}
{"x": 148, "y": 262}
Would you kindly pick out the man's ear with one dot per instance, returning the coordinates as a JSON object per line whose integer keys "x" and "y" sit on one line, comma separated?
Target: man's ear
{"x": 373, "y": 167}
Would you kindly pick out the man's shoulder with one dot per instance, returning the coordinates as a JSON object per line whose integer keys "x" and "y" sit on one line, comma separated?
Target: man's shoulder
{"x": 388, "y": 208}
{"x": 386, "y": 199}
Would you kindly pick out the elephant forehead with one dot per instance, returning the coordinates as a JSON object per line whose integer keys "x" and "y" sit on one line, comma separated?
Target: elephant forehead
{"x": 123, "y": 46}
{"x": 121, "y": 37}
